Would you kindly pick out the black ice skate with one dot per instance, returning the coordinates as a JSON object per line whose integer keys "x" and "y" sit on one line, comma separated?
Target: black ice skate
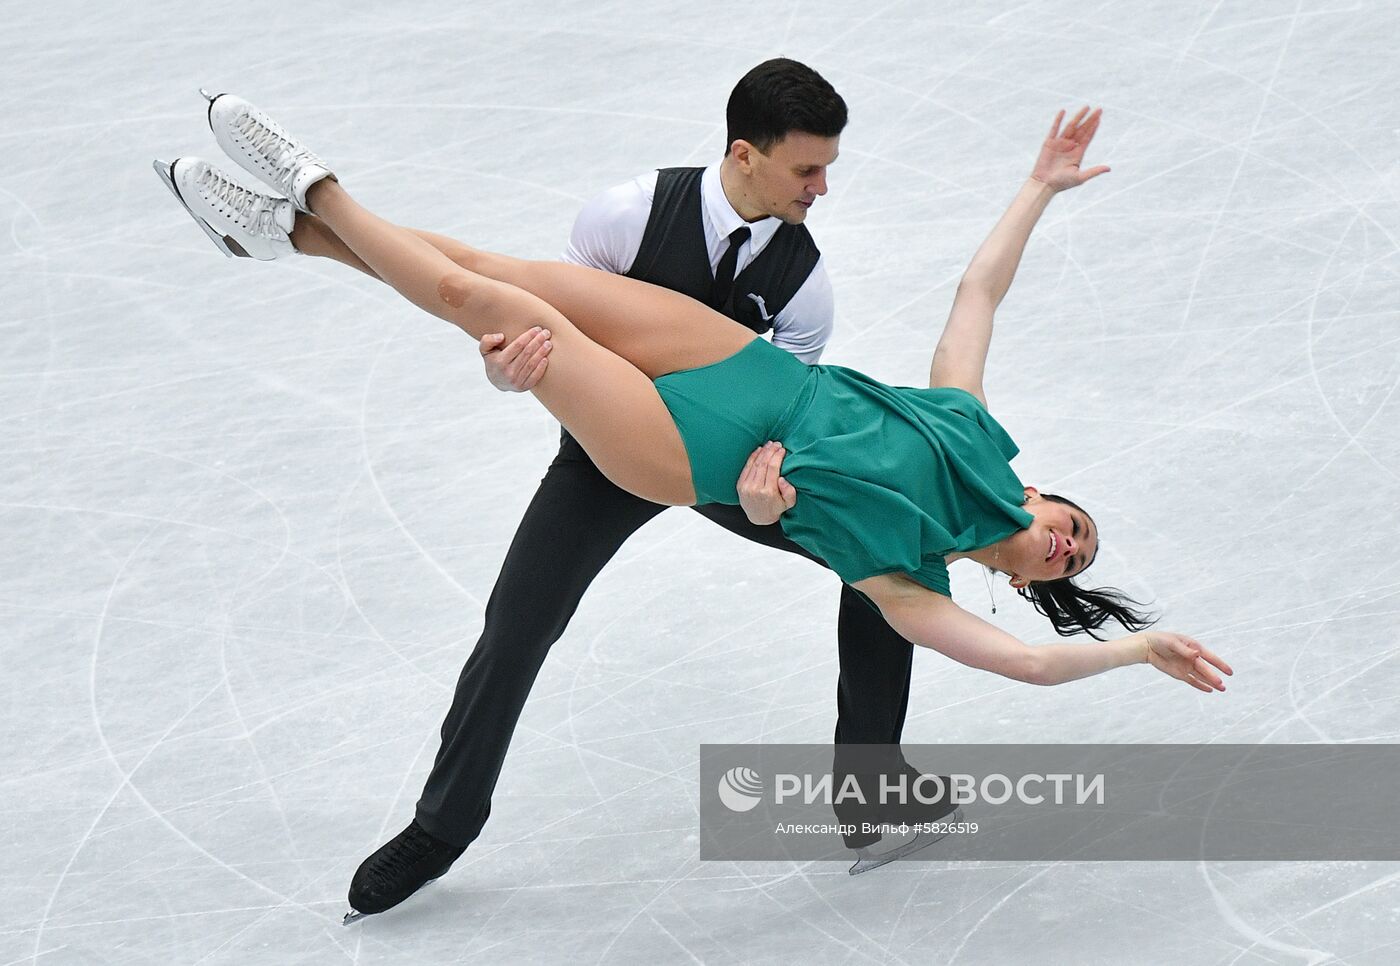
{"x": 868, "y": 859}
{"x": 398, "y": 869}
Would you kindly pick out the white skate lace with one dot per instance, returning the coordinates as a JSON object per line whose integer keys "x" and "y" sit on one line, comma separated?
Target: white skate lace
{"x": 281, "y": 151}
{"x": 255, "y": 210}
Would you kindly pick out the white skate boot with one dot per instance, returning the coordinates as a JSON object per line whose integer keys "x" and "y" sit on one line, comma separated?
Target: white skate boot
{"x": 241, "y": 221}
{"x": 260, "y": 145}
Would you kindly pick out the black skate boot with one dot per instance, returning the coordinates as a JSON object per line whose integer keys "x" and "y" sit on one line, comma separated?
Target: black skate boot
{"x": 398, "y": 869}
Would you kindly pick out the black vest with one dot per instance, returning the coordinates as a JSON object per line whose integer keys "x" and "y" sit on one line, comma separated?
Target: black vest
{"x": 674, "y": 255}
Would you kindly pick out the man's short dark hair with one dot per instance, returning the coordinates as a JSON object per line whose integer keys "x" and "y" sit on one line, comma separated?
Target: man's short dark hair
{"x": 779, "y": 96}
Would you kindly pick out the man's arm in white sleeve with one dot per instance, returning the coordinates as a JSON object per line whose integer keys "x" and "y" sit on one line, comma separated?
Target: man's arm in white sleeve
{"x": 804, "y": 325}
{"x": 608, "y": 231}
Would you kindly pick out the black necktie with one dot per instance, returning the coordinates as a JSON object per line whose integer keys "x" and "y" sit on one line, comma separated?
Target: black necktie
{"x": 724, "y": 272}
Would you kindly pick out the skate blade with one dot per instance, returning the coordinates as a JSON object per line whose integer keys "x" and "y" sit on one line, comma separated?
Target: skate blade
{"x": 921, "y": 841}
{"x": 209, "y": 113}
{"x": 230, "y": 248}
{"x": 355, "y": 915}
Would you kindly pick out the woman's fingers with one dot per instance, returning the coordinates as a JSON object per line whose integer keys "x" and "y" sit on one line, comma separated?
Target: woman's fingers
{"x": 1204, "y": 662}
{"x": 1215, "y": 659}
{"x": 1179, "y": 647}
{"x": 1206, "y": 673}
{"x": 1082, "y": 131}
{"x": 1055, "y": 126}
{"x": 1182, "y": 658}
{"x": 1086, "y": 135}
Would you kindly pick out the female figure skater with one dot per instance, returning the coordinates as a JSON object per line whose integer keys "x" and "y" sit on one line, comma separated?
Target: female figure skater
{"x": 670, "y": 398}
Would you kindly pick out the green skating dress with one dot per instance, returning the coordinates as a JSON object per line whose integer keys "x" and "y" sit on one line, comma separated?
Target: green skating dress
{"x": 889, "y": 479}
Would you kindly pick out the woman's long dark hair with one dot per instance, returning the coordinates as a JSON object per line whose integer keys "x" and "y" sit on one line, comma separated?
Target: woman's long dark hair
{"x": 1073, "y": 609}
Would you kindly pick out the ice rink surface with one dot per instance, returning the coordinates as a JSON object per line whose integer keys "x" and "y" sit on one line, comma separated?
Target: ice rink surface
{"x": 250, "y": 513}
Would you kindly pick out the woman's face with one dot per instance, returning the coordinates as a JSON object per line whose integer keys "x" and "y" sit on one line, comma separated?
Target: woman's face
{"x": 1060, "y": 542}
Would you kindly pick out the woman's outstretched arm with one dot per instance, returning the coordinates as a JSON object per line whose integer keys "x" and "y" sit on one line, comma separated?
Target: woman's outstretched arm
{"x": 929, "y": 619}
{"x": 961, "y": 355}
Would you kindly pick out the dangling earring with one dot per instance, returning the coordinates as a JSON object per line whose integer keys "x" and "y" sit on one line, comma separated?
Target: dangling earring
{"x": 986, "y": 575}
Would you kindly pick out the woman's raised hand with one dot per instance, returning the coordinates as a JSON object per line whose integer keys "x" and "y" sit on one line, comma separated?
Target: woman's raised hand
{"x": 1063, "y": 151}
{"x": 763, "y": 494}
{"x": 1185, "y": 659}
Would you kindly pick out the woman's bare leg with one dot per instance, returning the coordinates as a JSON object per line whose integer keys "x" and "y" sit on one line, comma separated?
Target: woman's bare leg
{"x": 657, "y": 330}
{"x": 607, "y": 403}
{"x": 312, "y": 236}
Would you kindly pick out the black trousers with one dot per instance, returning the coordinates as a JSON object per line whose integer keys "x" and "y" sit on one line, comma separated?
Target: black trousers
{"x": 572, "y": 528}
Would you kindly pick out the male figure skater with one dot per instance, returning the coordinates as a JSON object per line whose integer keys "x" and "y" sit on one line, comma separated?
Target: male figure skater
{"x": 731, "y": 235}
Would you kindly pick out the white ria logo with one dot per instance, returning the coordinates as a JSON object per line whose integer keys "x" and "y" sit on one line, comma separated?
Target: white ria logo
{"x": 762, "y": 308}
{"x": 740, "y": 789}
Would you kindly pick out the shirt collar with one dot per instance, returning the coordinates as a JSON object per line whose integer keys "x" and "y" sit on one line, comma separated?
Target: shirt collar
{"x": 723, "y": 219}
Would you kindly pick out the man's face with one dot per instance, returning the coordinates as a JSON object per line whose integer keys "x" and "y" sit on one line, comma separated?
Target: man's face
{"x": 792, "y": 174}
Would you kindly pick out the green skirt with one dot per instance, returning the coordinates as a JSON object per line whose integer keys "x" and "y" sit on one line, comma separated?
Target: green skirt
{"x": 889, "y": 479}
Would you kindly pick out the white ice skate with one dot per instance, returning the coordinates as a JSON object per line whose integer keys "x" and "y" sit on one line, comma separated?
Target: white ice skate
{"x": 263, "y": 148}
{"x": 868, "y": 859}
{"x": 244, "y": 223}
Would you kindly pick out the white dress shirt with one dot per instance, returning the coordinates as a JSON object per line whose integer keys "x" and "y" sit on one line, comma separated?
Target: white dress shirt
{"x": 608, "y": 234}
